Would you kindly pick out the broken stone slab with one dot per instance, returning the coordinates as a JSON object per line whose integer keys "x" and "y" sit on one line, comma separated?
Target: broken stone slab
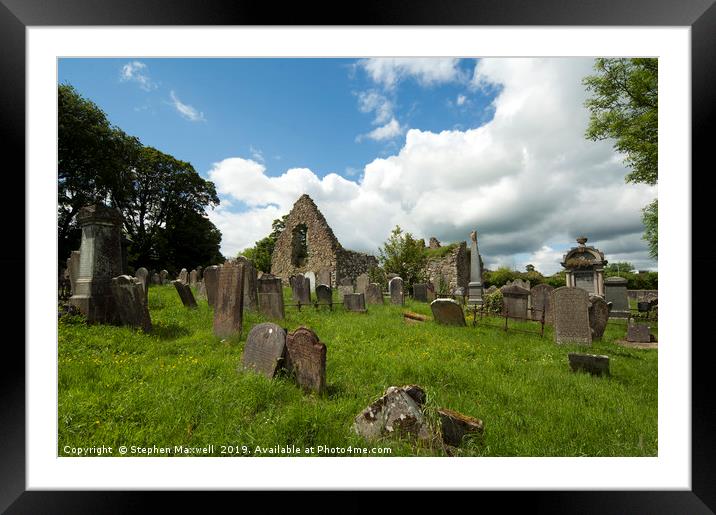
{"x": 398, "y": 412}
{"x": 414, "y": 318}
{"x": 594, "y": 364}
{"x": 456, "y": 425}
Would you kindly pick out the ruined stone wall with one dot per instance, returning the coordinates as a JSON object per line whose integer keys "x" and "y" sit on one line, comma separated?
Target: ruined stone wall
{"x": 453, "y": 267}
{"x": 351, "y": 264}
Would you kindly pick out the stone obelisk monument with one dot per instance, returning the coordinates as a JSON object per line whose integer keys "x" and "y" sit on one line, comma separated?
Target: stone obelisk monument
{"x": 474, "y": 287}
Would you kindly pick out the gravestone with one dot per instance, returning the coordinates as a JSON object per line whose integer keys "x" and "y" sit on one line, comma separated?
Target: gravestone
{"x": 311, "y": 280}
{"x": 300, "y": 289}
{"x": 594, "y": 364}
{"x": 156, "y": 279}
{"x": 373, "y": 294}
{"x": 192, "y": 278}
{"x": 164, "y": 277}
{"x": 420, "y": 292}
{"x": 185, "y": 294}
{"x": 638, "y": 333}
{"x": 514, "y": 301}
{"x": 571, "y": 316}
{"x": 492, "y": 289}
{"x": 395, "y": 287}
{"x": 324, "y": 277}
{"x": 211, "y": 282}
{"x": 521, "y": 283}
{"x": 447, "y": 312}
{"x": 251, "y": 299}
{"x": 324, "y": 295}
{"x": 354, "y": 302}
{"x": 100, "y": 261}
{"x": 598, "y": 316}
{"x": 73, "y": 268}
{"x": 143, "y": 275}
{"x": 430, "y": 292}
{"x": 265, "y": 349}
{"x": 228, "y": 310}
{"x": 616, "y": 292}
{"x": 455, "y": 426}
{"x": 399, "y": 412}
{"x": 183, "y": 276}
{"x": 345, "y": 287}
{"x": 201, "y": 290}
{"x": 306, "y": 359}
{"x": 362, "y": 282}
{"x": 199, "y": 273}
{"x": 130, "y": 303}
{"x": 585, "y": 280}
{"x": 475, "y": 287}
{"x": 270, "y": 292}
{"x": 541, "y": 296}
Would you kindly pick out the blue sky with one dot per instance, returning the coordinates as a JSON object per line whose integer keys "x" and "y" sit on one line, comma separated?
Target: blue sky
{"x": 438, "y": 146}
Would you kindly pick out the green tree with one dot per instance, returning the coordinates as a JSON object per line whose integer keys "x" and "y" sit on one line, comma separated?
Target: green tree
{"x": 260, "y": 253}
{"x": 404, "y": 255}
{"x": 624, "y": 106}
{"x": 620, "y": 267}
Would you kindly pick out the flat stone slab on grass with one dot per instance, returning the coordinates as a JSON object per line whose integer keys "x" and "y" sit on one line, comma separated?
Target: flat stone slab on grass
{"x": 414, "y": 318}
{"x": 594, "y": 364}
{"x": 448, "y": 312}
{"x": 456, "y": 425}
{"x": 265, "y": 349}
{"x": 306, "y": 359}
{"x": 637, "y": 345}
{"x": 399, "y": 412}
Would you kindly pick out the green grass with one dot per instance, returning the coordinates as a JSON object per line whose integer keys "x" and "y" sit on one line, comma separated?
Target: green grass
{"x": 179, "y": 385}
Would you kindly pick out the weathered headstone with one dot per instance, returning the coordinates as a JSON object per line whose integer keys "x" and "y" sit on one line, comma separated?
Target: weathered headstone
{"x": 265, "y": 349}
{"x": 130, "y": 302}
{"x": 211, "y": 282}
{"x": 594, "y": 364}
{"x": 345, "y": 281}
{"x": 447, "y": 312}
{"x": 638, "y": 333}
{"x": 73, "y": 268}
{"x": 306, "y": 359}
{"x": 251, "y": 299}
{"x": 311, "y": 280}
{"x": 183, "y": 276}
{"x": 362, "y": 282}
{"x": 514, "y": 300}
{"x": 100, "y": 261}
{"x": 185, "y": 294}
{"x": 354, "y": 302}
{"x": 229, "y": 307}
{"x": 324, "y": 295}
{"x": 616, "y": 292}
{"x": 201, "y": 290}
{"x": 541, "y": 295}
{"x": 156, "y": 279}
{"x": 199, "y": 273}
{"x": 324, "y": 277}
{"x": 571, "y": 316}
{"x": 456, "y": 425}
{"x": 420, "y": 292}
{"x": 398, "y": 412}
{"x": 192, "y": 278}
{"x": 598, "y": 316}
{"x": 143, "y": 275}
{"x": 475, "y": 285}
{"x": 164, "y": 277}
{"x": 373, "y": 294}
{"x": 395, "y": 287}
{"x": 430, "y": 292}
{"x": 271, "y": 297}
{"x": 300, "y": 289}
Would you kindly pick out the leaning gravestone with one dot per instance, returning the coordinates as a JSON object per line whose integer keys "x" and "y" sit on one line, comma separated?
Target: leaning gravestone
{"x": 228, "y": 311}
{"x": 211, "y": 282}
{"x": 354, "y": 302}
{"x": 251, "y": 299}
{"x": 514, "y": 301}
{"x": 615, "y": 290}
{"x": 373, "y": 294}
{"x": 447, "y": 312}
{"x": 271, "y": 297}
{"x": 163, "y": 277}
{"x": 311, "y": 280}
{"x": 184, "y": 291}
{"x": 192, "y": 278}
{"x": 130, "y": 302}
{"x": 541, "y": 296}
{"x": 362, "y": 282}
{"x": 571, "y": 316}
{"x": 420, "y": 292}
{"x": 183, "y": 276}
{"x": 395, "y": 287}
{"x": 324, "y": 277}
{"x": 143, "y": 275}
{"x": 324, "y": 295}
{"x": 598, "y": 316}
{"x": 306, "y": 359}
{"x": 265, "y": 349}
{"x": 399, "y": 412}
{"x": 594, "y": 364}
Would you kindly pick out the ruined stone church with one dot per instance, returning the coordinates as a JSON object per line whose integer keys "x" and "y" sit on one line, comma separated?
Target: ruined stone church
{"x": 307, "y": 244}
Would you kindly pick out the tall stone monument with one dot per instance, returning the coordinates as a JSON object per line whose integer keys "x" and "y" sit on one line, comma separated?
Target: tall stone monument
{"x": 585, "y": 268}
{"x": 100, "y": 261}
{"x": 474, "y": 287}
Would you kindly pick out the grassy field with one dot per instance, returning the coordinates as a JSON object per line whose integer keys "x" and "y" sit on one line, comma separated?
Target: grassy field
{"x": 179, "y": 386}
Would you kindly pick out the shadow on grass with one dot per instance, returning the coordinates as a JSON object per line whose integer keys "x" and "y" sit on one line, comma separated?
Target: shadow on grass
{"x": 334, "y": 391}
{"x": 169, "y": 331}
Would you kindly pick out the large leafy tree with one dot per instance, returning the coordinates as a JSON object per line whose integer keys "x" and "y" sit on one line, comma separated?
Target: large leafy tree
{"x": 624, "y": 106}
{"x": 404, "y": 255}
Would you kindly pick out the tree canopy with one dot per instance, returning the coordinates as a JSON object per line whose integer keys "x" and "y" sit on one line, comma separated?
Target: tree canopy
{"x": 404, "y": 255}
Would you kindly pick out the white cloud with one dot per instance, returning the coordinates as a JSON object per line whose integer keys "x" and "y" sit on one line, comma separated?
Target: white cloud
{"x": 460, "y": 100}
{"x": 372, "y": 101}
{"x": 388, "y": 71}
{"x": 256, "y": 154}
{"x": 134, "y": 71}
{"x": 527, "y": 180}
{"x": 388, "y": 131}
{"x": 185, "y": 110}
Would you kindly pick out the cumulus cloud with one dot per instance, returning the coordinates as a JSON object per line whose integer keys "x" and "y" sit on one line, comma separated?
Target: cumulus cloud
{"x": 390, "y": 130}
{"x": 135, "y": 71}
{"x": 389, "y": 127}
{"x": 185, "y": 110}
{"x": 388, "y": 71}
{"x": 527, "y": 180}
{"x": 460, "y": 100}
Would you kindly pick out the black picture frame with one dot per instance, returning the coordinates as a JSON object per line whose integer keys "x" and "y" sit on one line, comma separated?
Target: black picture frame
{"x": 17, "y": 15}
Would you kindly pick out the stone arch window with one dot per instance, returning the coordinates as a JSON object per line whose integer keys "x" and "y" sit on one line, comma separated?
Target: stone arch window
{"x": 299, "y": 245}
